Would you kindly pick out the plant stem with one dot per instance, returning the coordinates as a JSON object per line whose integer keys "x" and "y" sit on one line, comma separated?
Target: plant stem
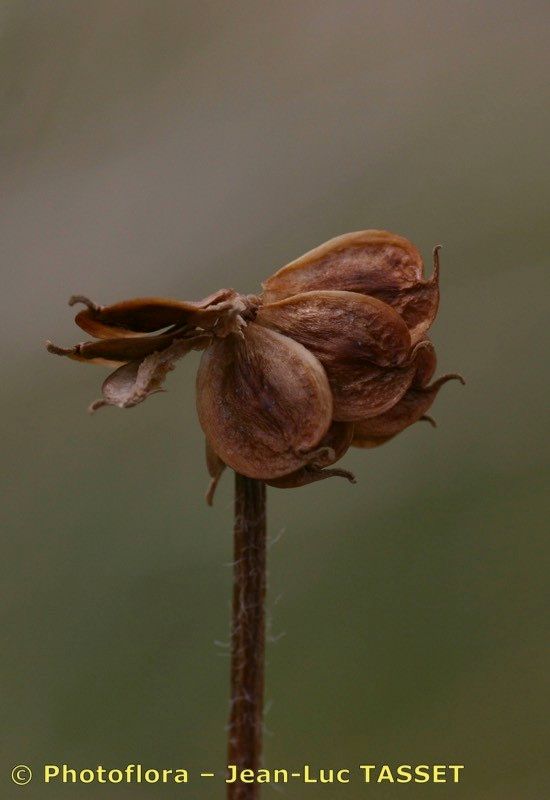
{"x": 247, "y": 634}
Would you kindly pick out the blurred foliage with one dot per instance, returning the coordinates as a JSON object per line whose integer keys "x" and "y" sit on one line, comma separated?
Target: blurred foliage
{"x": 174, "y": 148}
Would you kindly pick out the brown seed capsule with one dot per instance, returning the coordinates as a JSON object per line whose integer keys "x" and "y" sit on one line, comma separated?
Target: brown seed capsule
{"x": 410, "y": 409}
{"x": 335, "y": 347}
{"x": 264, "y": 400}
{"x": 366, "y": 390}
{"x": 359, "y": 392}
{"x": 341, "y": 327}
{"x": 372, "y": 262}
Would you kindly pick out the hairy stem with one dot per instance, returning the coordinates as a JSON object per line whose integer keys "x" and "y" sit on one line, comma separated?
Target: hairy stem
{"x": 248, "y": 634}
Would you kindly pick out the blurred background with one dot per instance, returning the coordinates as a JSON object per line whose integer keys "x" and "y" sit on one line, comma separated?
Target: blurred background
{"x": 173, "y": 148}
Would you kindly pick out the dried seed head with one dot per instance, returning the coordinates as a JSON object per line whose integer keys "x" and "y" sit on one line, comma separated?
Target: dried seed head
{"x": 333, "y": 353}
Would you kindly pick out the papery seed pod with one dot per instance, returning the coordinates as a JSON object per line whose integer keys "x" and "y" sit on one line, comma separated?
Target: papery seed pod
{"x": 331, "y": 448}
{"x": 264, "y": 402}
{"x": 368, "y": 391}
{"x": 411, "y": 408}
{"x": 337, "y": 339}
{"x": 341, "y": 327}
{"x": 372, "y": 262}
{"x": 362, "y": 391}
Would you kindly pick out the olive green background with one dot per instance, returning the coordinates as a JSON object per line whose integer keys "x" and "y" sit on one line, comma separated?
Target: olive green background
{"x": 173, "y": 148}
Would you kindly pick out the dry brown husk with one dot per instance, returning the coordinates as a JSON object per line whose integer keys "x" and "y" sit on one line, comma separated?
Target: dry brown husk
{"x": 410, "y": 409}
{"x": 263, "y": 401}
{"x": 372, "y": 262}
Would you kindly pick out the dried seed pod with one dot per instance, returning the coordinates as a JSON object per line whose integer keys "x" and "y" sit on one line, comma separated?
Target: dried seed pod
{"x": 142, "y": 314}
{"x": 310, "y": 474}
{"x": 337, "y": 338}
{"x": 365, "y": 390}
{"x": 264, "y": 400}
{"x": 341, "y": 327}
{"x": 411, "y": 408}
{"x": 372, "y": 262}
{"x": 331, "y": 448}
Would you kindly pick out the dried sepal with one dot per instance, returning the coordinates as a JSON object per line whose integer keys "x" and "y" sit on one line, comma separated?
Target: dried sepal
{"x": 310, "y": 474}
{"x": 215, "y": 468}
{"x": 410, "y": 409}
{"x": 134, "y": 382}
{"x": 331, "y": 448}
{"x": 143, "y": 314}
{"x": 341, "y": 327}
{"x": 128, "y": 349}
{"x": 263, "y": 401}
{"x": 372, "y": 262}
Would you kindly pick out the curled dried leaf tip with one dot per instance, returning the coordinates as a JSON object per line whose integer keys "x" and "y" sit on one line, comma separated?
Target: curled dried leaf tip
{"x": 332, "y": 353}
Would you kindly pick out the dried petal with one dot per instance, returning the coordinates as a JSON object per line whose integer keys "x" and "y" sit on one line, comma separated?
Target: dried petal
{"x": 263, "y": 401}
{"x": 134, "y": 382}
{"x": 330, "y": 450}
{"x": 341, "y": 327}
{"x": 372, "y": 262}
{"x": 216, "y": 468}
{"x": 411, "y": 408}
{"x": 142, "y": 315}
{"x": 122, "y": 350}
